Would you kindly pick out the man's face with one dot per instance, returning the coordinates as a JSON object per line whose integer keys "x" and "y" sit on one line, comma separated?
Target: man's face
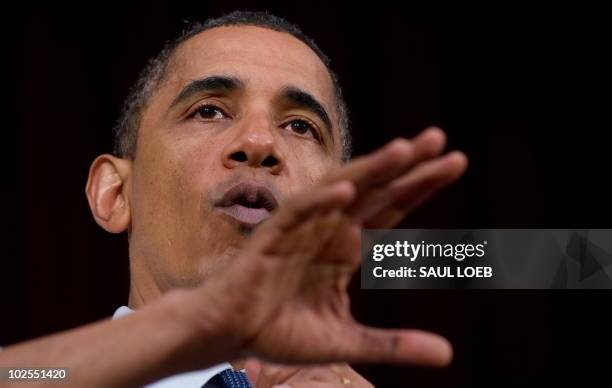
{"x": 245, "y": 117}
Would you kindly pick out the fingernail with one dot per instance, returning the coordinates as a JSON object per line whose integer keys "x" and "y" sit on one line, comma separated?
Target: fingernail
{"x": 282, "y": 386}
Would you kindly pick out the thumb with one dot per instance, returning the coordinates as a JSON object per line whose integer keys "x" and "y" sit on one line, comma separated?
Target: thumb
{"x": 398, "y": 347}
{"x": 252, "y": 368}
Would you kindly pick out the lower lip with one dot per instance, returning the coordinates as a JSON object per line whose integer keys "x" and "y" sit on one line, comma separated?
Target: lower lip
{"x": 246, "y": 215}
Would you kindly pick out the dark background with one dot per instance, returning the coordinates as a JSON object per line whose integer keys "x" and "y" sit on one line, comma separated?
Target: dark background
{"x": 522, "y": 91}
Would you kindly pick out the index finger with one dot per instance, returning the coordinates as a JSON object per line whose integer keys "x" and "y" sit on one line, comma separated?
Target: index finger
{"x": 390, "y": 161}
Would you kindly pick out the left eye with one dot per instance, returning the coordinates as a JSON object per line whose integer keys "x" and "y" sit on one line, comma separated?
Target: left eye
{"x": 301, "y": 127}
{"x": 210, "y": 112}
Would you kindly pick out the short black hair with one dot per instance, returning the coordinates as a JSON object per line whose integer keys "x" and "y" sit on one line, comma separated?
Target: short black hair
{"x": 149, "y": 80}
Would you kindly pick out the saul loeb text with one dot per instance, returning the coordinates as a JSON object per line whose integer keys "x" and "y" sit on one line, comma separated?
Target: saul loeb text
{"x": 431, "y": 259}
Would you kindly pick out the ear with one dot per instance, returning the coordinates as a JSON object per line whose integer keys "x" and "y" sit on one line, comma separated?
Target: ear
{"x": 107, "y": 192}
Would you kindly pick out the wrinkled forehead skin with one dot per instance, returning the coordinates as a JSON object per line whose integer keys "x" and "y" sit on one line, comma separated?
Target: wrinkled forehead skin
{"x": 265, "y": 60}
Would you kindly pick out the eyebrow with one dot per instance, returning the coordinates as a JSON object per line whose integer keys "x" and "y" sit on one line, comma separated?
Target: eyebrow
{"x": 305, "y": 100}
{"x": 294, "y": 95}
{"x": 208, "y": 84}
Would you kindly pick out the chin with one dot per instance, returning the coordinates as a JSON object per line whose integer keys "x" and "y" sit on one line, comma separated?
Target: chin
{"x": 209, "y": 266}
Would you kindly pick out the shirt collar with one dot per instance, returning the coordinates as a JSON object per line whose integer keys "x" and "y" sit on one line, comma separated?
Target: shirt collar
{"x": 194, "y": 379}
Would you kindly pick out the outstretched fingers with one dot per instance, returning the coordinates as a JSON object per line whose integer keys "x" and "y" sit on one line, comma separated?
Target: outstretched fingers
{"x": 334, "y": 195}
{"x": 404, "y": 195}
{"x": 391, "y": 161}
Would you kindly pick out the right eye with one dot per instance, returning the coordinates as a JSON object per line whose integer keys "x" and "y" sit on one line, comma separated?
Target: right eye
{"x": 210, "y": 112}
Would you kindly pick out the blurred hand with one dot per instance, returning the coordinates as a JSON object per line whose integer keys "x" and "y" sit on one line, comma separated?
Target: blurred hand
{"x": 284, "y": 299}
{"x": 326, "y": 376}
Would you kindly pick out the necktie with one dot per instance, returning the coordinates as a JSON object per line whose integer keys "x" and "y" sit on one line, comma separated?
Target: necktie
{"x": 230, "y": 378}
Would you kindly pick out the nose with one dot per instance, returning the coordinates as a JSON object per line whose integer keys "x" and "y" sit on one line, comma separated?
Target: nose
{"x": 254, "y": 145}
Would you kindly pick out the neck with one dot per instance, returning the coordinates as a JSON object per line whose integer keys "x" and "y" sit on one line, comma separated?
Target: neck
{"x": 136, "y": 299}
{"x": 143, "y": 289}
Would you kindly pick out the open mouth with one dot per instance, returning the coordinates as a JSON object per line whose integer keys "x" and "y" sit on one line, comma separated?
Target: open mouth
{"x": 248, "y": 203}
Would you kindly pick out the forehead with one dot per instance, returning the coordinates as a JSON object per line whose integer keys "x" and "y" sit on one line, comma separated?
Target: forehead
{"x": 264, "y": 59}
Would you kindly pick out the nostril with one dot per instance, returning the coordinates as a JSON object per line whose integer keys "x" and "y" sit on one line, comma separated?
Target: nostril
{"x": 242, "y": 157}
{"x": 239, "y": 156}
{"x": 269, "y": 161}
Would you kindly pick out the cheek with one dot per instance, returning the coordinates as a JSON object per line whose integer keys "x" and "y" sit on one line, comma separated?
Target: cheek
{"x": 307, "y": 166}
{"x": 172, "y": 177}
{"x": 195, "y": 168}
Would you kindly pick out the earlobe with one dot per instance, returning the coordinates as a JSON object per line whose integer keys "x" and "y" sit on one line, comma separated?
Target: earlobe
{"x": 107, "y": 192}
